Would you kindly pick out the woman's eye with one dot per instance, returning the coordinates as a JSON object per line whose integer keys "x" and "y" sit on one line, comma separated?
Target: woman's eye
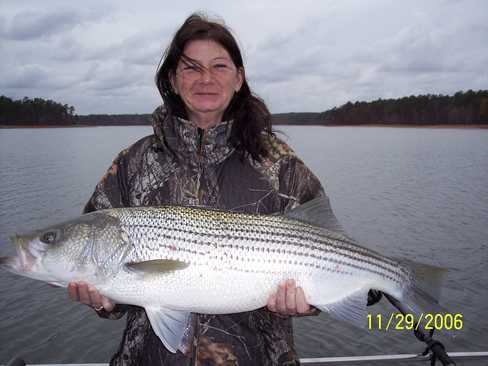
{"x": 49, "y": 237}
{"x": 220, "y": 66}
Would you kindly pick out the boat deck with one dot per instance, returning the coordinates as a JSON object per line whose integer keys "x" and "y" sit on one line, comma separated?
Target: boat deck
{"x": 378, "y": 359}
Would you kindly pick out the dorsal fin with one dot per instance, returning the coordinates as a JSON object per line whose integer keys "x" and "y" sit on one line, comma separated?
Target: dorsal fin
{"x": 317, "y": 212}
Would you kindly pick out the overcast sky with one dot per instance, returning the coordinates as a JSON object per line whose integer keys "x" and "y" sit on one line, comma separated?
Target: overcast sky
{"x": 300, "y": 56}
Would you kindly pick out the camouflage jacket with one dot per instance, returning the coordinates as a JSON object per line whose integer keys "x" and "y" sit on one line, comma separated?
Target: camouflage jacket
{"x": 182, "y": 164}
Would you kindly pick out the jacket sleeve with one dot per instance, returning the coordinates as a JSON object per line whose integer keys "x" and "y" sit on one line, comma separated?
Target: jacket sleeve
{"x": 298, "y": 184}
{"x": 110, "y": 190}
{"x": 110, "y": 193}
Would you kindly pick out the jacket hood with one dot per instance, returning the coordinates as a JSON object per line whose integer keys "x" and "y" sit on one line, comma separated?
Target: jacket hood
{"x": 189, "y": 142}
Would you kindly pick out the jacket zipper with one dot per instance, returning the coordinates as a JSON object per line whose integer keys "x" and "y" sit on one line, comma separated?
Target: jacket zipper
{"x": 201, "y": 139}
{"x": 201, "y": 136}
{"x": 196, "y": 323}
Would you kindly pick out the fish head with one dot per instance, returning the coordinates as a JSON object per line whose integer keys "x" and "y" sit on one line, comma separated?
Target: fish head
{"x": 87, "y": 248}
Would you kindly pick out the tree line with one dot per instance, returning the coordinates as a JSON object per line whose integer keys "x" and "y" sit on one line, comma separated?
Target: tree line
{"x": 35, "y": 111}
{"x": 468, "y": 107}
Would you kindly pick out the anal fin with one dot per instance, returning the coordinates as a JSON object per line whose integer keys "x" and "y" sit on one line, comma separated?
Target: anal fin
{"x": 351, "y": 309}
{"x": 170, "y": 326}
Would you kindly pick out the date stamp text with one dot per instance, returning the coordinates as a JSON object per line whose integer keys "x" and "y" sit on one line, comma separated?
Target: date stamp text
{"x": 429, "y": 321}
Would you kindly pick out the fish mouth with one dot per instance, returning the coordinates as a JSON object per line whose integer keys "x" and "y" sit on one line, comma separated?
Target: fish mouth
{"x": 23, "y": 262}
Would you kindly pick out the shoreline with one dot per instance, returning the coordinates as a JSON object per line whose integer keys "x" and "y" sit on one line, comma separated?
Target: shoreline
{"x": 406, "y": 125}
{"x": 389, "y": 125}
{"x": 66, "y": 126}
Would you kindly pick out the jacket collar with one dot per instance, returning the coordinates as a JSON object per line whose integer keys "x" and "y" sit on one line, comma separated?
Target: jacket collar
{"x": 185, "y": 140}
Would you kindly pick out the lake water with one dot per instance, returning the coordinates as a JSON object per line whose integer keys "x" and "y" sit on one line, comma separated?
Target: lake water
{"x": 420, "y": 194}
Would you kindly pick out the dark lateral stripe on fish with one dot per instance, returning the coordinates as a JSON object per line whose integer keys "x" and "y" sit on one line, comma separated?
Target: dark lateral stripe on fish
{"x": 224, "y": 259}
{"x": 211, "y": 230}
{"x": 187, "y": 215}
{"x": 212, "y": 244}
{"x": 317, "y": 238}
{"x": 345, "y": 243}
{"x": 343, "y": 251}
{"x": 324, "y": 259}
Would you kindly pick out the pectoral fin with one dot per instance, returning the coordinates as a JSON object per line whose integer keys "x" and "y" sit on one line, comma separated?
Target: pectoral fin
{"x": 170, "y": 326}
{"x": 157, "y": 266}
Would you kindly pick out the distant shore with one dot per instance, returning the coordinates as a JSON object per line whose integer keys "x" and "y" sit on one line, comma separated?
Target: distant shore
{"x": 411, "y": 125}
{"x": 390, "y": 125}
{"x": 41, "y": 126}
{"x": 463, "y": 109}
{"x": 65, "y": 126}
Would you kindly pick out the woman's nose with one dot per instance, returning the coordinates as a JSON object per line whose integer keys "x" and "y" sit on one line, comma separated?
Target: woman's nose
{"x": 206, "y": 75}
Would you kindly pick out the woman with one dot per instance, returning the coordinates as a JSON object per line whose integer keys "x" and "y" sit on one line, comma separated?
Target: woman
{"x": 212, "y": 146}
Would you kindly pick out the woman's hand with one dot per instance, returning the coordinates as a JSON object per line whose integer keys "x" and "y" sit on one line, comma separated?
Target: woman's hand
{"x": 86, "y": 294}
{"x": 289, "y": 300}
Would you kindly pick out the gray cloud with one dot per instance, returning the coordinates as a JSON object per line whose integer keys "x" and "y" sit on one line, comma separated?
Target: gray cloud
{"x": 30, "y": 25}
{"x": 26, "y": 77}
{"x": 307, "y": 57}
{"x": 399, "y": 58}
{"x": 35, "y": 76}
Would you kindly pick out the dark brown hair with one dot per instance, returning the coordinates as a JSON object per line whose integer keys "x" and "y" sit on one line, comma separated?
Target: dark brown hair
{"x": 250, "y": 114}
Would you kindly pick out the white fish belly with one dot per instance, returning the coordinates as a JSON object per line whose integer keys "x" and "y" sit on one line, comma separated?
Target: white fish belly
{"x": 210, "y": 291}
{"x": 196, "y": 290}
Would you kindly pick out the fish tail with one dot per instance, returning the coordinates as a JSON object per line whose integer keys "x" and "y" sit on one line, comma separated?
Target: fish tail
{"x": 421, "y": 300}
{"x": 424, "y": 291}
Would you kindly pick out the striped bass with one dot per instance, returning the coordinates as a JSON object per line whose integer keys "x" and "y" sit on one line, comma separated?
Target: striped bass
{"x": 174, "y": 260}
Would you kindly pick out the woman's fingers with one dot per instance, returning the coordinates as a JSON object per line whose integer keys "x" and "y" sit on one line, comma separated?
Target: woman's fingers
{"x": 272, "y": 303}
{"x": 281, "y": 299}
{"x": 302, "y": 305}
{"x": 288, "y": 300}
{"x": 88, "y": 295}
{"x": 95, "y": 298}
{"x": 84, "y": 296}
{"x": 290, "y": 296}
{"x": 107, "y": 304}
{"x": 73, "y": 291}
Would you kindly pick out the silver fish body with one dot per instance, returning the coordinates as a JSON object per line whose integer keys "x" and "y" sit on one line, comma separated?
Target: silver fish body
{"x": 175, "y": 260}
{"x": 235, "y": 261}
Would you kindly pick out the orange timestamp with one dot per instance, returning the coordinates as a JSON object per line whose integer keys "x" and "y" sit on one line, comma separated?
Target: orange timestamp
{"x": 429, "y": 321}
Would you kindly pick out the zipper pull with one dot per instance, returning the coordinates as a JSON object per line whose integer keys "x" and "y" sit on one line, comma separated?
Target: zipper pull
{"x": 201, "y": 137}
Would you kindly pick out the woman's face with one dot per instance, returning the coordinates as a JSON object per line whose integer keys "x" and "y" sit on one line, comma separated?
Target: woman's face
{"x": 208, "y": 87}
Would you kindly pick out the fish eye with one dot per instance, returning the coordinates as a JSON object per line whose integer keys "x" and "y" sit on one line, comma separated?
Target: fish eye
{"x": 49, "y": 237}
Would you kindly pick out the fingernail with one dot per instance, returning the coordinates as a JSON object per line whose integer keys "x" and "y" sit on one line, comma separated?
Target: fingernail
{"x": 291, "y": 283}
